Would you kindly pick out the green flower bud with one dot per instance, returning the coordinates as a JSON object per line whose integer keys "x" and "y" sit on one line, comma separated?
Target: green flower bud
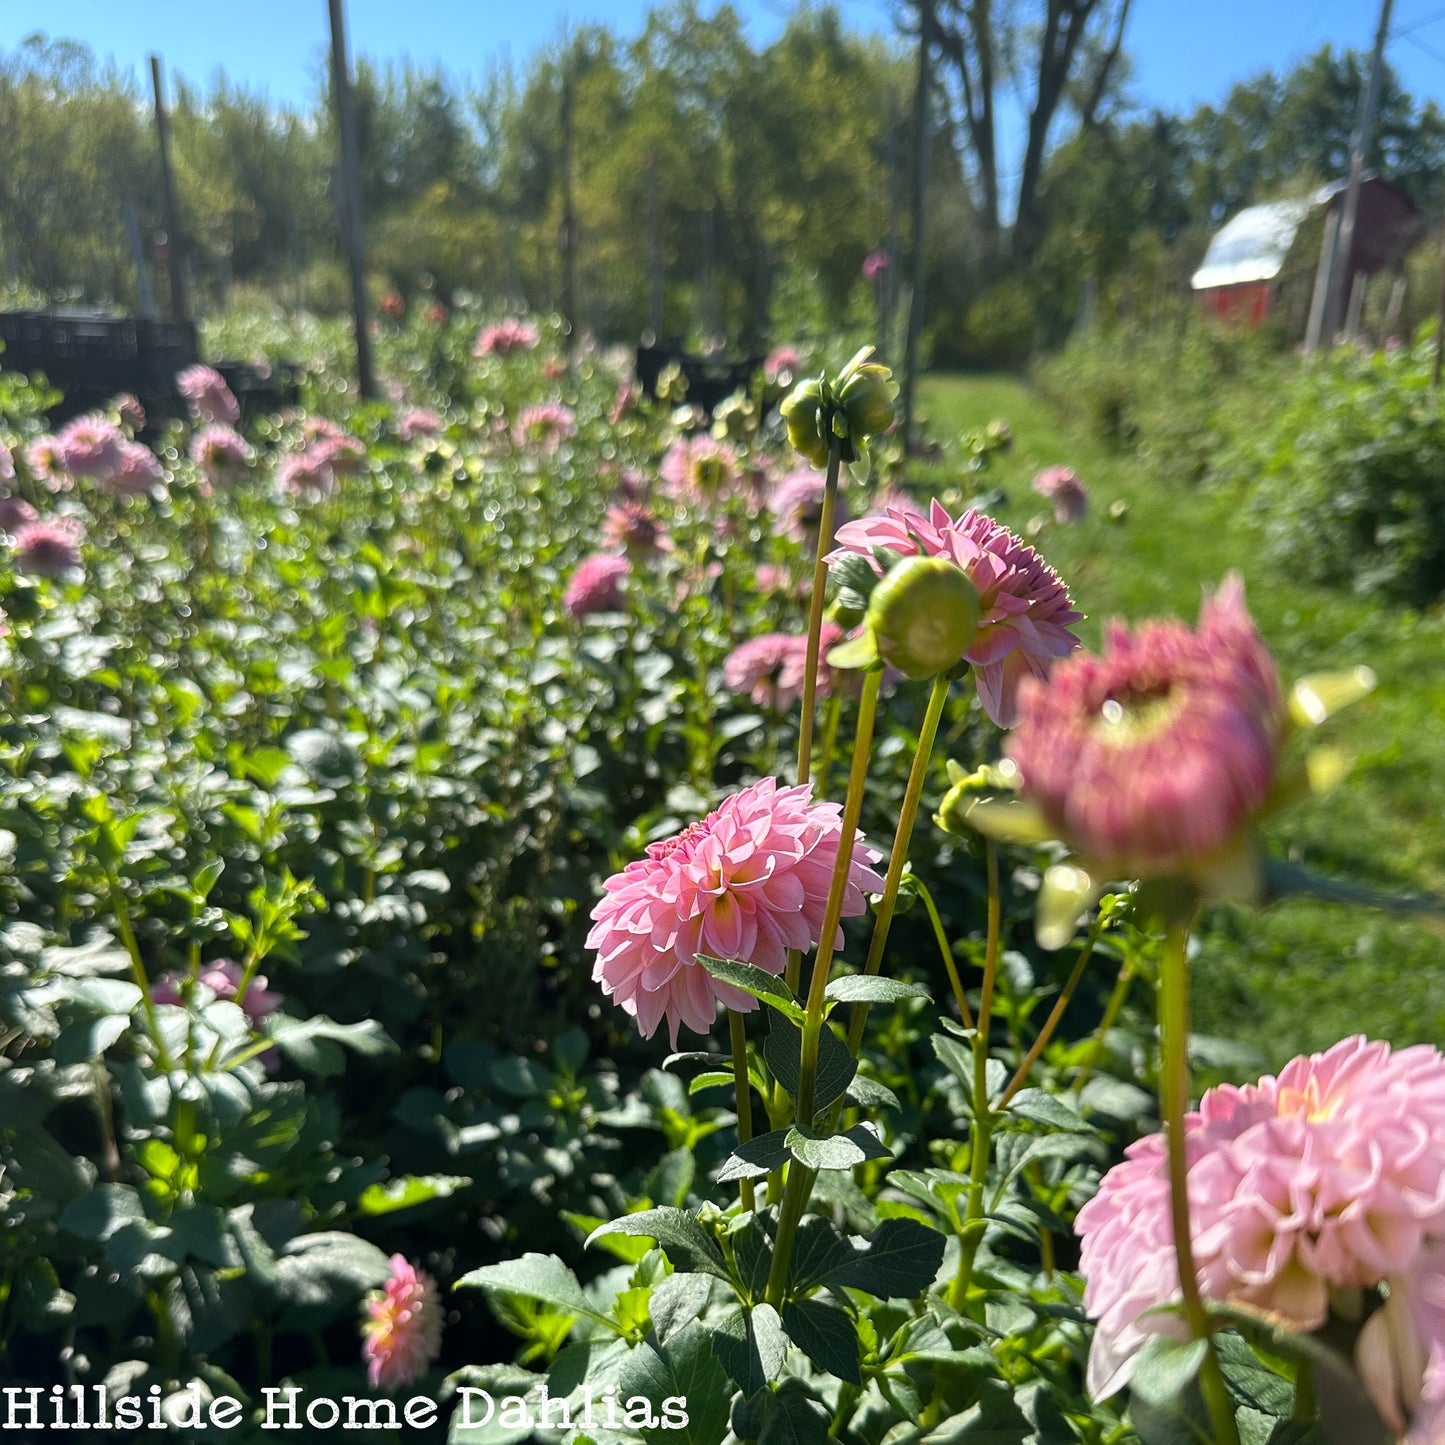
{"x": 923, "y": 615}
{"x": 867, "y": 398}
{"x": 804, "y": 410}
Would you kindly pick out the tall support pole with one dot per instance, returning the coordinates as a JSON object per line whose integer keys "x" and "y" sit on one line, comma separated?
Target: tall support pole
{"x": 1342, "y": 269}
{"x": 890, "y": 244}
{"x": 569, "y": 214}
{"x": 654, "y": 253}
{"x": 175, "y": 249}
{"x": 349, "y": 197}
{"x": 920, "y": 214}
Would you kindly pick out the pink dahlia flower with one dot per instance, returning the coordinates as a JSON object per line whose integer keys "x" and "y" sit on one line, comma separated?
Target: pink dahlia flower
{"x": 767, "y": 670}
{"x": 45, "y": 457}
{"x": 48, "y": 548}
{"x": 221, "y": 453}
{"x": 544, "y": 427}
{"x": 1025, "y": 611}
{"x": 782, "y": 365}
{"x": 1400, "y": 1352}
{"x": 90, "y": 446}
{"x": 505, "y": 337}
{"x": 402, "y": 1332}
{"x": 223, "y": 978}
{"x": 876, "y": 264}
{"x": 130, "y": 412}
{"x": 596, "y": 585}
{"x": 1329, "y": 1176}
{"x": 797, "y": 503}
{"x": 748, "y": 882}
{"x": 205, "y": 392}
{"x": 1154, "y": 756}
{"x": 700, "y": 469}
{"x": 418, "y": 422}
{"x": 308, "y": 473}
{"x": 15, "y": 512}
{"x": 137, "y": 471}
{"x": 1062, "y": 489}
{"x": 629, "y": 527}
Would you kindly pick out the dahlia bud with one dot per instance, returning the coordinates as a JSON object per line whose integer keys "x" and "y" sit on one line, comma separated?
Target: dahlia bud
{"x": 867, "y": 394}
{"x": 808, "y": 429}
{"x": 923, "y": 616}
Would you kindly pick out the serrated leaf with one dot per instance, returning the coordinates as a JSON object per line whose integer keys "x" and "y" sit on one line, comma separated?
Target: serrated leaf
{"x": 687, "y": 1244}
{"x": 815, "y": 1150}
{"x": 782, "y": 1051}
{"x": 764, "y": 986}
{"x": 757, "y": 1157}
{"x": 898, "y": 1261}
{"x": 826, "y": 1334}
{"x": 872, "y": 988}
{"x": 537, "y": 1276}
{"x": 684, "y": 1368}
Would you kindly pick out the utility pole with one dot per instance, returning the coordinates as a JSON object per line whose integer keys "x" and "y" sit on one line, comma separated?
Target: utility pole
{"x": 920, "y": 214}
{"x": 569, "y": 215}
{"x": 654, "y": 253}
{"x": 175, "y": 251}
{"x": 890, "y": 245}
{"x": 349, "y": 197}
{"x": 1341, "y": 267}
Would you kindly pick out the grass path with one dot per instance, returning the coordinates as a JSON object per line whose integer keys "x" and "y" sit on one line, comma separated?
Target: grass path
{"x": 1300, "y": 975}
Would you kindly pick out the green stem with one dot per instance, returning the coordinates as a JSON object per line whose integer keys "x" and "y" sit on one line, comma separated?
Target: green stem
{"x": 137, "y": 965}
{"x": 950, "y": 964}
{"x": 744, "y": 1099}
{"x": 902, "y": 840}
{"x": 830, "y": 739}
{"x": 1112, "y": 1011}
{"x": 1306, "y": 1396}
{"x": 1174, "y": 1070}
{"x": 1055, "y": 1015}
{"x": 973, "y": 1229}
{"x": 815, "y": 612}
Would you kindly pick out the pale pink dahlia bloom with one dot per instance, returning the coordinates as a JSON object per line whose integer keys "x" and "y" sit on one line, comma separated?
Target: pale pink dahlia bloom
{"x": 544, "y": 427}
{"x": 419, "y": 422}
{"x": 223, "y": 978}
{"x": 505, "y": 337}
{"x": 1151, "y": 758}
{"x": 90, "y": 446}
{"x": 700, "y": 469}
{"x": 308, "y": 473}
{"x": 1329, "y": 1176}
{"x": 45, "y": 457}
{"x": 48, "y": 548}
{"x": 1401, "y": 1351}
{"x": 402, "y": 1332}
{"x": 767, "y": 670}
{"x": 1062, "y": 489}
{"x": 797, "y": 503}
{"x": 137, "y": 471}
{"x": 631, "y": 528}
{"x": 15, "y": 512}
{"x": 221, "y": 453}
{"x": 782, "y": 365}
{"x": 596, "y": 585}
{"x": 205, "y": 392}
{"x": 748, "y": 882}
{"x": 1025, "y": 611}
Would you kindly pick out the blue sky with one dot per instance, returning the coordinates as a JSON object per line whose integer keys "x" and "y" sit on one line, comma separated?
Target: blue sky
{"x": 1183, "y": 52}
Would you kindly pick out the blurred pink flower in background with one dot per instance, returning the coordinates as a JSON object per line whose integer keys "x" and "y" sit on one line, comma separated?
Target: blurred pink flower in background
{"x": 419, "y": 422}
{"x": 137, "y": 470}
{"x": 90, "y": 446}
{"x": 223, "y": 978}
{"x": 48, "y": 548}
{"x": 875, "y": 264}
{"x": 505, "y": 337}
{"x": 1157, "y": 753}
{"x": 797, "y": 503}
{"x": 221, "y": 453}
{"x": 1062, "y": 489}
{"x": 699, "y": 470}
{"x": 1025, "y": 608}
{"x": 45, "y": 456}
{"x": 782, "y": 365}
{"x": 15, "y": 512}
{"x": 205, "y": 392}
{"x": 544, "y": 427}
{"x": 131, "y": 413}
{"x": 307, "y": 473}
{"x": 630, "y": 527}
{"x": 747, "y": 882}
{"x": 402, "y": 1328}
{"x": 7, "y": 464}
{"x": 596, "y": 585}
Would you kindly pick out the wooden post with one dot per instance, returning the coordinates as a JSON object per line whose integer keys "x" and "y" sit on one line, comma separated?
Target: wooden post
{"x": 569, "y": 215}
{"x": 654, "y": 253}
{"x": 1356, "y": 307}
{"x": 175, "y": 251}
{"x": 920, "y": 216}
{"x": 349, "y": 197}
{"x": 1315, "y": 335}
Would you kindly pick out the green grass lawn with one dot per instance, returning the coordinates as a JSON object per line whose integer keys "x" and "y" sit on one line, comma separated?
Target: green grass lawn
{"x": 1301, "y": 974}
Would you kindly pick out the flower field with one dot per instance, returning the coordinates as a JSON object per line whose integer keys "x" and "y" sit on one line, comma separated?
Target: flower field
{"x": 534, "y": 912}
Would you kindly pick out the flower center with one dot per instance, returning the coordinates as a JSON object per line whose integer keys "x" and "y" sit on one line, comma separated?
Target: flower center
{"x": 1307, "y": 1103}
{"x": 1136, "y": 715}
{"x": 709, "y": 472}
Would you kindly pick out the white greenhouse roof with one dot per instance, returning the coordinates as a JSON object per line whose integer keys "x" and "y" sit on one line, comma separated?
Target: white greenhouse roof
{"x": 1252, "y": 246}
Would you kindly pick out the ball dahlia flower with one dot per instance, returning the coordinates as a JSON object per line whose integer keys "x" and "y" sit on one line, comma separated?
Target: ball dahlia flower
{"x": 1025, "y": 608}
{"x": 1151, "y": 758}
{"x": 544, "y": 427}
{"x": 221, "y": 453}
{"x": 206, "y": 394}
{"x": 505, "y": 337}
{"x": 223, "y": 978}
{"x": 797, "y": 503}
{"x": 137, "y": 471}
{"x": 700, "y": 470}
{"x": 1062, "y": 489}
{"x": 1330, "y": 1175}
{"x": 48, "y": 548}
{"x": 15, "y": 512}
{"x": 748, "y": 882}
{"x": 90, "y": 446}
{"x": 596, "y": 585}
{"x": 629, "y": 527}
{"x": 401, "y": 1333}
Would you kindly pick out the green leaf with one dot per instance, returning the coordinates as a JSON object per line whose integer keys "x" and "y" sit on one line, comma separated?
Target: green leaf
{"x": 1055, "y": 1111}
{"x": 871, "y": 988}
{"x": 311, "y": 1043}
{"x": 870, "y": 1094}
{"x": 826, "y": 1334}
{"x": 537, "y": 1276}
{"x": 750, "y": 1346}
{"x": 783, "y": 1050}
{"x": 407, "y": 1192}
{"x": 104, "y": 1210}
{"x": 757, "y": 1157}
{"x": 762, "y": 985}
{"x": 793, "y": 1417}
{"x": 835, "y": 1151}
{"x": 687, "y": 1244}
{"x": 682, "y": 1369}
{"x": 1166, "y": 1369}
{"x": 676, "y": 1301}
{"x": 898, "y": 1261}
{"x": 818, "y": 1250}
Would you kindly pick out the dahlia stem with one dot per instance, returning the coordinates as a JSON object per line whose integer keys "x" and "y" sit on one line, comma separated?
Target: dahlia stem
{"x": 744, "y": 1099}
{"x": 1055, "y": 1015}
{"x": 815, "y": 611}
{"x": 950, "y": 964}
{"x": 800, "y": 1179}
{"x": 902, "y": 840}
{"x": 830, "y": 739}
{"x": 1112, "y": 1011}
{"x": 1174, "y": 1071}
{"x": 137, "y": 964}
{"x": 974, "y": 1225}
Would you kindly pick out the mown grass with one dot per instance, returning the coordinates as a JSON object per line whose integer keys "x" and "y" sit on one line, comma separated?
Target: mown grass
{"x": 1301, "y": 974}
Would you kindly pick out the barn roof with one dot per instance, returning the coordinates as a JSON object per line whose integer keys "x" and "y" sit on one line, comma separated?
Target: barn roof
{"x": 1252, "y": 246}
